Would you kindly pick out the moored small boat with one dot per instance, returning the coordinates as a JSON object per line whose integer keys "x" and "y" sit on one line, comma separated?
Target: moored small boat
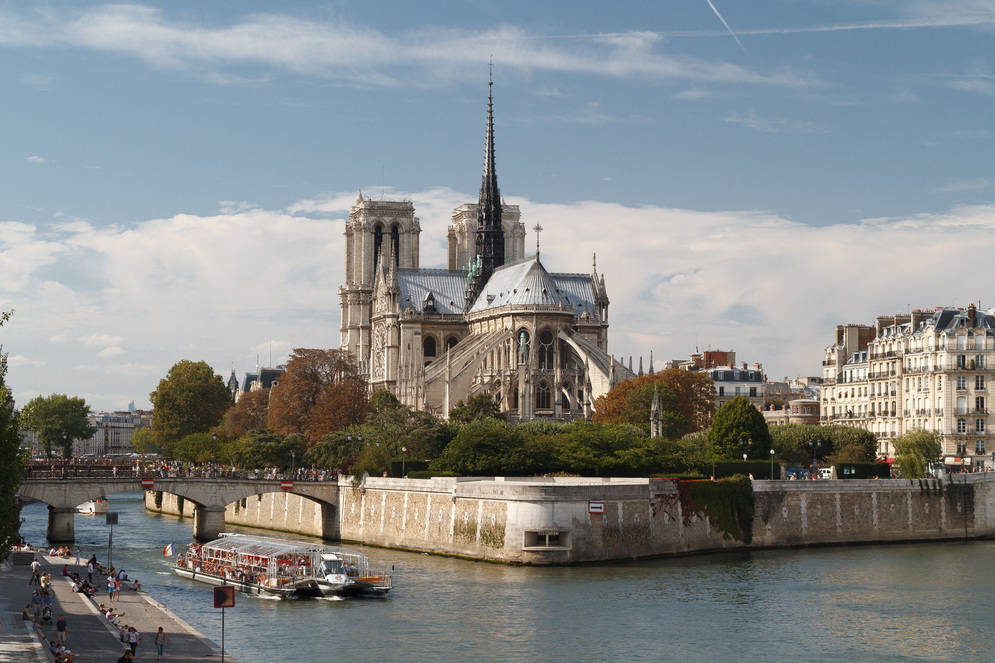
{"x": 92, "y": 507}
{"x": 284, "y": 569}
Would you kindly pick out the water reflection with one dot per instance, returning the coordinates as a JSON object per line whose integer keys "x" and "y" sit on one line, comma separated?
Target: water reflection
{"x": 871, "y": 603}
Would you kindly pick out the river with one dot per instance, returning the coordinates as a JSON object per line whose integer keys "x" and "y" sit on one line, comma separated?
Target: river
{"x": 921, "y": 602}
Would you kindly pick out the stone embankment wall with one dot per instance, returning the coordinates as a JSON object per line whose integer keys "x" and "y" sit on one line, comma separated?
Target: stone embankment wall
{"x": 569, "y": 520}
{"x": 284, "y": 512}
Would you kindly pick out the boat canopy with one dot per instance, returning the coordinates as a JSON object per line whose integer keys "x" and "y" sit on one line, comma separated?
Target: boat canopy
{"x": 262, "y": 546}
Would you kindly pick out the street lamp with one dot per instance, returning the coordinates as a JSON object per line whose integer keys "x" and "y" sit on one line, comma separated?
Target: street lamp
{"x": 293, "y": 462}
{"x": 404, "y": 450}
{"x": 815, "y": 445}
{"x": 771, "y": 464}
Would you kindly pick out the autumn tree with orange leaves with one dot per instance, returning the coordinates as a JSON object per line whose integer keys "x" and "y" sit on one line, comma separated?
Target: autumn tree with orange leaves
{"x": 319, "y": 391}
{"x": 687, "y": 394}
{"x": 249, "y": 413}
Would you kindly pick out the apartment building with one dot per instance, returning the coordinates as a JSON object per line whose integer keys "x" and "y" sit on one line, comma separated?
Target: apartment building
{"x": 928, "y": 370}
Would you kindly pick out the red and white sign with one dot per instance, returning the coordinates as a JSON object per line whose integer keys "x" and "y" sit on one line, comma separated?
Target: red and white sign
{"x": 287, "y": 485}
{"x": 596, "y": 506}
{"x": 148, "y": 482}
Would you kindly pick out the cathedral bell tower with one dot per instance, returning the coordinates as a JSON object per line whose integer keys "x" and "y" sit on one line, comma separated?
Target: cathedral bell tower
{"x": 489, "y": 236}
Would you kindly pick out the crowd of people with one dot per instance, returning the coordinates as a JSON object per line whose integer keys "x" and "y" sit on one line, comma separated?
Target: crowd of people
{"x": 39, "y": 611}
{"x": 127, "y": 467}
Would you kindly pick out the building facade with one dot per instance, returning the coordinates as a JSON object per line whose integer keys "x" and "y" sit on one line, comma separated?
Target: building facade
{"x": 495, "y": 322}
{"x": 926, "y": 370}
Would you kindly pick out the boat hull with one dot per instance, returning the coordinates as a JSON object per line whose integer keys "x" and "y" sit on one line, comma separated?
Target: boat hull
{"x": 309, "y": 587}
{"x": 93, "y": 507}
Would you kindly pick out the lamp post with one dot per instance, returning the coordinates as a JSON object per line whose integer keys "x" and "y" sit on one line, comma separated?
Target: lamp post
{"x": 771, "y": 464}
{"x": 404, "y": 450}
{"x": 293, "y": 462}
{"x": 815, "y": 445}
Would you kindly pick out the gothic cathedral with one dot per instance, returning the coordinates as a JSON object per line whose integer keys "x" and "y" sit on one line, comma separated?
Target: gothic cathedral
{"x": 495, "y": 322}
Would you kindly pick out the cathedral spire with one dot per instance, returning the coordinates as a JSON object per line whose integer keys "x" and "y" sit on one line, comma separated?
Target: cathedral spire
{"x": 489, "y": 236}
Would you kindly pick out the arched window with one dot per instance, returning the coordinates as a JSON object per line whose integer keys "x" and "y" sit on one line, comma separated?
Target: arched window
{"x": 546, "y": 349}
{"x": 522, "y": 349}
{"x": 514, "y": 398}
{"x": 451, "y": 341}
{"x": 395, "y": 245}
{"x": 377, "y": 242}
{"x": 542, "y": 396}
{"x": 428, "y": 346}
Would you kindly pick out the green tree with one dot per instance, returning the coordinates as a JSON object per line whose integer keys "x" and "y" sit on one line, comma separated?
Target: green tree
{"x": 142, "y": 442}
{"x": 58, "y": 420}
{"x": 190, "y": 399}
{"x": 264, "y": 448}
{"x": 915, "y": 452}
{"x": 11, "y": 460}
{"x": 476, "y": 408}
{"x": 737, "y": 428}
{"x": 480, "y": 448}
{"x": 199, "y": 448}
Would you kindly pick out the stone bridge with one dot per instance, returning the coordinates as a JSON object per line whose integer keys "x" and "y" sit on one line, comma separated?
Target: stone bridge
{"x": 209, "y": 496}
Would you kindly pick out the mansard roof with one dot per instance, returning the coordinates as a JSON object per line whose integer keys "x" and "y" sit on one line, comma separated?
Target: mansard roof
{"x": 522, "y": 283}
{"x": 448, "y": 288}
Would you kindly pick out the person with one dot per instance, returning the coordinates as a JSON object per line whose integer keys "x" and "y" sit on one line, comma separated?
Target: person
{"x": 46, "y": 614}
{"x": 110, "y": 588}
{"x": 160, "y": 642}
{"x": 61, "y": 630}
{"x": 117, "y": 588}
{"x": 65, "y": 570}
{"x": 137, "y": 586}
{"x": 35, "y": 572}
{"x": 126, "y": 657}
{"x": 89, "y": 570}
{"x": 77, "y": 555}
{"x": 26, "y": 613}
{"x": 133, "y": 639}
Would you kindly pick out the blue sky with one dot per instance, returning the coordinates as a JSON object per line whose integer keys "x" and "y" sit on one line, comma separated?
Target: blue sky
{"x": 174, "y": 176}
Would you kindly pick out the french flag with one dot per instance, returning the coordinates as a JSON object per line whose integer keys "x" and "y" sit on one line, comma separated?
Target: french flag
{"x": 168, "y": 551}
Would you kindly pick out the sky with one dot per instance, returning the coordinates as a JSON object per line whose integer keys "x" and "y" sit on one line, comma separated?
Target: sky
{"x": 174, "y": 177}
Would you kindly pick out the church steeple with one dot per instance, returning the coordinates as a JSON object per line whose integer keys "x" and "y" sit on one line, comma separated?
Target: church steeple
{"x": 489, "y": 236}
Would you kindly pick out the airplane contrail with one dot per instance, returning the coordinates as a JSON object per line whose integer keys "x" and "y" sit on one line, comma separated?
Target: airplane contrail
{"x": 725, "y": 24}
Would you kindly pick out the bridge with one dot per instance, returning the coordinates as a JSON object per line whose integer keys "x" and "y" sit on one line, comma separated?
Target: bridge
{"x": 210, "y": 496}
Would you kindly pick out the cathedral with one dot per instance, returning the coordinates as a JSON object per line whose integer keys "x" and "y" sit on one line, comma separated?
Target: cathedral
{"x": 494, "y": 322}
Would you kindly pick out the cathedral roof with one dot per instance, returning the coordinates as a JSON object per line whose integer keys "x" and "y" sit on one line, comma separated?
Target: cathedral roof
{"x": 448, "y": 288}
{"x": 522, "y": 283}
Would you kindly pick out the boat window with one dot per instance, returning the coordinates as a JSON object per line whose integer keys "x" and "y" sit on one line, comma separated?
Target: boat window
{"x": 332, "y": 566}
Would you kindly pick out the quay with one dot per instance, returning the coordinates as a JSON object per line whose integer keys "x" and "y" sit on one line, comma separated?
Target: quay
{"x": 90, "y": 636}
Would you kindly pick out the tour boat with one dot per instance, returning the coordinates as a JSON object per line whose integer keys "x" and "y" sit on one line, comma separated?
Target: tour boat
{"x": 93, "y": 507}
{"x": 283, "y": 569}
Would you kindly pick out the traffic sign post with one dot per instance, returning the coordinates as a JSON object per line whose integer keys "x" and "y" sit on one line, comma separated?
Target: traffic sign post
{"x": 224, "y": 597}
{"x": 286, "y": 485}
{"x": 148, "y": 483}
{"x": 596, "y": 506}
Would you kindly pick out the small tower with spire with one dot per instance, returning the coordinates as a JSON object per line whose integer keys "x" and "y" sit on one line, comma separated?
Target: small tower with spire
{"x": 489, "y": 237}
{"x": 656, "y": 416}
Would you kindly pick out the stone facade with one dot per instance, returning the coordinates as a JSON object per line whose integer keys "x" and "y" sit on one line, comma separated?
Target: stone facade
{"x": 496, "y": 322}
{"x": 927, "y": 370}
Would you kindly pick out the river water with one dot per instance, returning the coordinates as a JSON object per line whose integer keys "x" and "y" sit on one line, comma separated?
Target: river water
{"x": 922, "y": 602}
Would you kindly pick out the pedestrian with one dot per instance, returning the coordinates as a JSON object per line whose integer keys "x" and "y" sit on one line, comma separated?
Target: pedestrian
{"x": 133, "y": 639}
{"x": 160, "y": 642}
{"x": 126, "y": 657}
{"x": 77, "y": 555}
{"x": 61, "y": 630}
{"x": 35, "y": 572}
{"x": 110, "y": 588}
{"x": 89, "y": 571}
{"x": 117, "y": 588}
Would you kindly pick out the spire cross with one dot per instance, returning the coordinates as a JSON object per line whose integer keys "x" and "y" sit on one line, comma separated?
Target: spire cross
{"x": 538, "y": 230}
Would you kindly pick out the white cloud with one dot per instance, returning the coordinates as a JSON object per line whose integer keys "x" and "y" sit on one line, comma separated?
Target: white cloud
{"x": 222, "y": 287}
{"x": 957, "y": 186}
{"x": 363, "y": 55}
{"x": 695, "y": 94}
{"x": 21, "y": 360}
{"x": 35, "y": 159}
{"x": 770, "y": 124}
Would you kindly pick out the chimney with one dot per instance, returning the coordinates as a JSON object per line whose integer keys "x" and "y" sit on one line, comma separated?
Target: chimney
{"x": 744, "y": 365}
{"x": 971, "y": 315}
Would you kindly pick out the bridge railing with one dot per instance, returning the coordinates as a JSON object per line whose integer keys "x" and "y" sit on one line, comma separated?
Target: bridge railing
{"x": 71, "y": 472}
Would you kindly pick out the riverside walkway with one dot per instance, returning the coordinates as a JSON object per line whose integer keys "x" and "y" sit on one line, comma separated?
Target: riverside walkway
{"x": 90, "y": 637}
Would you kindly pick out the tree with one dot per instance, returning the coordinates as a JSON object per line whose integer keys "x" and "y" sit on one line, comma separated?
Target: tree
{"x": 320, "y": 391}
{"x": 691, "y": 394}
{"x": 58, "y": 420}
{"x": 11, "y": 460}
{"x": 190, "y": 399}
{"x": 141, "y": 441}
{"x": 249, "y": 413}
{"x": 738, "y": 428}
{"x": 841, "y": 444}
{"x": 476, "y": 408}
{"x": 915, "y": 452}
